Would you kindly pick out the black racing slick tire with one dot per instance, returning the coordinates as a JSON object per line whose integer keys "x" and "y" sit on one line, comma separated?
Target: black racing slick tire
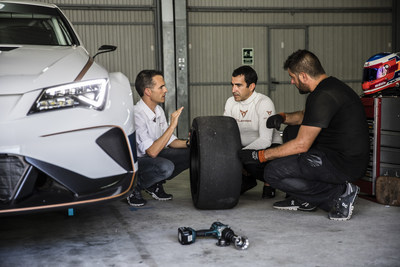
{"x": 215, "y": 167}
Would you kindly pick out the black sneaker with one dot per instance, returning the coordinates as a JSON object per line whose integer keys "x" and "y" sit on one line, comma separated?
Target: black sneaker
{"x": 293, "y": 204}
{"x": 248, "y": 182}
{"x": 157, "y": 192}
{"x": 135, "y": 199}
{"x": 344, "y": 205}
{"x": 268, "y": 192}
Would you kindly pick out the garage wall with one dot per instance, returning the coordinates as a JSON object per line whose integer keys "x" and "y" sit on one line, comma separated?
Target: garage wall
{"x": 131, "y": 25}
{"x": 343, "y": 34}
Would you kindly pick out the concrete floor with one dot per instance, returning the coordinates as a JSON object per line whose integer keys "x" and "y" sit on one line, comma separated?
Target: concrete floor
{"x": 116, "y": 234}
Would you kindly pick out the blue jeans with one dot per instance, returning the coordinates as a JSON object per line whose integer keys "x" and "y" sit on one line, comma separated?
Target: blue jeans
{"x": 169, "y": 163}
{"x": 307, "y": 177}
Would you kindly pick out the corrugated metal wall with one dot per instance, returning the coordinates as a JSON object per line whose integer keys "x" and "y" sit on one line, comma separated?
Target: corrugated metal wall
{"x": 128, "y": 24}
{"x": 343, "y": 34}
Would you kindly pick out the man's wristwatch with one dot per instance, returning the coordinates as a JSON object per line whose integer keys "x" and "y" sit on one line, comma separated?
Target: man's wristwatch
{"x": 187, "y": 143}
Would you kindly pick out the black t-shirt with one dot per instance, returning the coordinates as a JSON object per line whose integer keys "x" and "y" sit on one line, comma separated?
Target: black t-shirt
{"x": 337, "y": 109}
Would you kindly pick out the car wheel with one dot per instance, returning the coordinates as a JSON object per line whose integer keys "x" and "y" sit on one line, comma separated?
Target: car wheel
{"x": 215, "y": 168}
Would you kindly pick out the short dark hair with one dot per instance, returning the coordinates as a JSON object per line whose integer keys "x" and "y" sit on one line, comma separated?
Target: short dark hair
{"x": 304, "y": 61}
{"x": 145, "y": 80}
{"x": 250, "y": 75}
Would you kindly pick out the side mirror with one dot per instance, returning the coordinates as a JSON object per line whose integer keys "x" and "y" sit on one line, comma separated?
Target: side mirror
{"x": 105, "y": 49}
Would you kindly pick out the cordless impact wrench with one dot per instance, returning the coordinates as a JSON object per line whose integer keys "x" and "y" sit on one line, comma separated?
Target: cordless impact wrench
{"x": 222, "y": 232}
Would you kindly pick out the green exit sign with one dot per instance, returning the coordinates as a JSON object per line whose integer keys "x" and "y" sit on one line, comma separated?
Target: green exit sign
{"x": 247, "y": 56}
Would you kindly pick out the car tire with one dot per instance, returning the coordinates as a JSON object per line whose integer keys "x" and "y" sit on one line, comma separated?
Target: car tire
{"x": 215, "y": 167}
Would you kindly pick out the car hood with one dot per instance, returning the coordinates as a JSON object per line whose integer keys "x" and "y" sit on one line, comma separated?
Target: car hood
{"x": 27, "y": 68}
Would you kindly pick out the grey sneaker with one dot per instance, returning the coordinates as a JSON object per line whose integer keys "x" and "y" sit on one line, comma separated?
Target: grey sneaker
{"x": 293, "y": 204}
{"x": 135, "y": 198}
{"x": 344, "y": 205}
{"x": 158, "y": 193}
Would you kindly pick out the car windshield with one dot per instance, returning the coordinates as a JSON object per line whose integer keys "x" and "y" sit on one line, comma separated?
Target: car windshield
{"x": 33, "y": 25}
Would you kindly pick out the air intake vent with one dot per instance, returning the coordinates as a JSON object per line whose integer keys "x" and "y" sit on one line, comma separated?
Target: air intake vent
{"x": 8, "y": 48}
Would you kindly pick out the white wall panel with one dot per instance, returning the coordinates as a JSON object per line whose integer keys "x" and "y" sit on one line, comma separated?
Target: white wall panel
{"x": 283, "y": 42}
{"x": 215, "y": 53}
{"x": 131, "y": 31}
{"x": 127, "y": 24}
{"x": 85, "y": 16}
{"x": 259, "y": 19}
{"x": 208, "y": 100}
{"x": 129, "y": 39}
{"x": 99, "y": 2}
{"x": 286, "y": 98}
{"x": 219, "y": 49}
{"x": 344, "y": 50}
{"x": 343, "y": 34}
{"x": 289, "y": 3}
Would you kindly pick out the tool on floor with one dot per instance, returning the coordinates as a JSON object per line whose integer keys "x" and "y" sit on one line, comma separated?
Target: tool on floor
{"x": 222, "y": 232}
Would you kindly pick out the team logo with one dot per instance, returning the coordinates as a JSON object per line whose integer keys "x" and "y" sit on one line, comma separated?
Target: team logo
{"x": 243, "y": 113}
{"x": 314, "y": 161}
{"x": 269, "y": 112}
{"x": 254, "y": 155}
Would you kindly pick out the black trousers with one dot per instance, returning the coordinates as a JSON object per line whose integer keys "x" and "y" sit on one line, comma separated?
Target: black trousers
{"x": 257, "y": 170}
{"x": 308, "y": 177}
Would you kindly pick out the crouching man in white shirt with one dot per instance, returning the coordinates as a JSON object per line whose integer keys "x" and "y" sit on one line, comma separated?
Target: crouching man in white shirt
{"x": 251, "y": 111}
{"x": 161, "y": 155}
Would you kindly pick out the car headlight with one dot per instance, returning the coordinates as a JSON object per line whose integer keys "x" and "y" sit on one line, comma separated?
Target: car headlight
{"x": 91, "y": 94}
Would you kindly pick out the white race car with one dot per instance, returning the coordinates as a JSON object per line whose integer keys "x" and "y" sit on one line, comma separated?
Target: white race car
{"x": 67, "y": 134}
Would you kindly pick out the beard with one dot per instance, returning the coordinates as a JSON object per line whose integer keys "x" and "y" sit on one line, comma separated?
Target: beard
{"x": 303, "y": 89}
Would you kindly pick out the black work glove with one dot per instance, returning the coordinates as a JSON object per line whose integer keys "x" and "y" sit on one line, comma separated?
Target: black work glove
{"x": 248, "y": 156}
{"x": 276, "y": 120}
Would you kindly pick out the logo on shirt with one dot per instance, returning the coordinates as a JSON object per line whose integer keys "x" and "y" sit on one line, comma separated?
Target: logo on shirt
{"x": 314, "y": 161}
{"x": 269, "y": 112}
{"x": 243, "y": 113}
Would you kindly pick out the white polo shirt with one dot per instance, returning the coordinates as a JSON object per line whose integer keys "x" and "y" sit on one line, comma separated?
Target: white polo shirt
{"x": 251, "y": 116}
{"x": 149, "y": 126}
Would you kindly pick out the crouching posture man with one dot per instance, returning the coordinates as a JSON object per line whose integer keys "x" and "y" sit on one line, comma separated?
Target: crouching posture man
{"x": 161, "y": 156}
{"x": 331, "y": 149}
{"x": 251, "y": 111}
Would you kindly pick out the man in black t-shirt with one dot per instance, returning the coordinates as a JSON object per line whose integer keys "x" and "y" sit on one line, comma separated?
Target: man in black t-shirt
{"x": 331, "y": 149}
